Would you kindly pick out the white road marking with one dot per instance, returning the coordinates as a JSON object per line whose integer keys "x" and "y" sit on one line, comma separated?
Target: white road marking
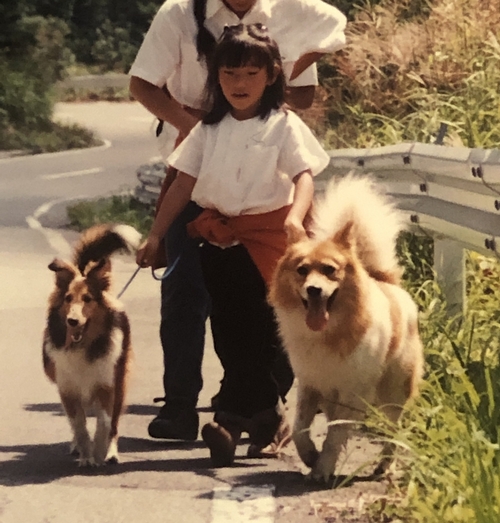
{"x": 24, "y": 157}
{"x": 55, "y": 239}
{"x": 69, "y": 174}
{"x": 243, "y": 504}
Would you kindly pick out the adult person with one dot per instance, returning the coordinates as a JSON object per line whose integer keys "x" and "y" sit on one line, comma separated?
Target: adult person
{"x": 168, "y": 77}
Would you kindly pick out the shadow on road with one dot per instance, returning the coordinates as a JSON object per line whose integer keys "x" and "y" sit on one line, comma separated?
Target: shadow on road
{"x": 44, "y": 463}
{"x": 56, "y": 409}
{"x": 294, "y": 483}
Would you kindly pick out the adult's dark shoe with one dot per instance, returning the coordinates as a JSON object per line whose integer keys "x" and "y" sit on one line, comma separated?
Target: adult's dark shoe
{"x": 175, "y": 423}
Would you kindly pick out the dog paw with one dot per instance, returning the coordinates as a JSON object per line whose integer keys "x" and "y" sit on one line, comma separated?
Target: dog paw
{"x": 112, "y": 452}
{"x": 314, "y": 479}
{"x": 311, "y": 458}
{"x": 323, "y": 471}
{"x": 87, "y": 462}
{"x": 306, "y": 450}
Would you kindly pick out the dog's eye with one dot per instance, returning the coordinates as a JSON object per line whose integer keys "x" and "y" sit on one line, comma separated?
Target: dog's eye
{"x": 68, "y": 298}
{"x": 303, "y": 270}
{"x": 327, "y": 270}
{"x": 87, "y": 298}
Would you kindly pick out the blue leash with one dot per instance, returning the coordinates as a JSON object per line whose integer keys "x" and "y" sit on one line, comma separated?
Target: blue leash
{"x": 129, "y": 282}
{"x": 168, "y": 271}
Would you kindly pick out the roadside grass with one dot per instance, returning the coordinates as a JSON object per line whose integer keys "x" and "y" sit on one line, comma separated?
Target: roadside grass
{"x": 107, "y": 94}
{"x": 50, "y": 138}
{"x": 450, "y": 435}
{"x": 117, "y": 209}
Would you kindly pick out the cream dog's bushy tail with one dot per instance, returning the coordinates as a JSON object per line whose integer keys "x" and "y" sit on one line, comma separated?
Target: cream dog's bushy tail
{"x": 376, "y": 221}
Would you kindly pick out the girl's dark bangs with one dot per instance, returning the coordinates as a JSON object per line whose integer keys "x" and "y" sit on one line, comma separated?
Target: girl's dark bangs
{"x": 239, "y": 54}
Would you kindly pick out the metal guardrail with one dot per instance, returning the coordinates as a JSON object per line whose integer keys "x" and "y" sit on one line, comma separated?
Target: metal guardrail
{"x": 451, "y": 193}
{"x": 150, "y": 178}
{"x": 448, "y": 191}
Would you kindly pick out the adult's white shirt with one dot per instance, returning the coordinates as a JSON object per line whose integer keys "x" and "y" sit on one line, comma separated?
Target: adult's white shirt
{"x": 248, "y": 166}
{"x": 168, "y": 54}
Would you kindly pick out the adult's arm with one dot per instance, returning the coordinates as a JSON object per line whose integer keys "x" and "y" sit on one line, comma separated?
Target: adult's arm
{"x": 302, "y": 96}
{"x": 158, "y": 102}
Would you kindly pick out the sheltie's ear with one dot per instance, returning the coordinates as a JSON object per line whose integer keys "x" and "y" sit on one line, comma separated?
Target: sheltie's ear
{"x": 344, "y": 237}
{"x": 65, "y": 272}
{"x": 98, "y": 274}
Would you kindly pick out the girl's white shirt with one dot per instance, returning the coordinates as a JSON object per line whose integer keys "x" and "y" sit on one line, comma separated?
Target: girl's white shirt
{"x": 247, "y": 166}
{"x": 168, "y": 54}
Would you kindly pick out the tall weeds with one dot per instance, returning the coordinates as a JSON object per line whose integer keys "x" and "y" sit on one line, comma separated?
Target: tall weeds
{"x": 410, "y": 65}
{"x": 452, "y": 432}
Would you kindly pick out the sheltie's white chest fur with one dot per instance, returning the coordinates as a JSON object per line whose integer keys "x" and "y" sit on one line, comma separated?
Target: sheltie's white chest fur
{"x": 76, "y": 374}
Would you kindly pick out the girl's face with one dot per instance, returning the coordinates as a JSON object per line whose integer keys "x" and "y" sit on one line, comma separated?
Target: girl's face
{"x": 240, "y": 7}
{"x": 243, "y": 88}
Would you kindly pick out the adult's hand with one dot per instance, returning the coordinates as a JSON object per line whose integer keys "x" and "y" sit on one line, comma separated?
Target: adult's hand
{"x": 146, "y": 253}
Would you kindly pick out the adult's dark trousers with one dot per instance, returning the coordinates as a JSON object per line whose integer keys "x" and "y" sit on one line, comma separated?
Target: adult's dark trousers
{"x": 243, "y": 328}
{"x": 185, "y": 305}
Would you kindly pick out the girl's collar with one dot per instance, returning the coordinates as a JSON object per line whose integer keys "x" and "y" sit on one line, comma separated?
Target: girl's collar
{"x": 260, "y": 125}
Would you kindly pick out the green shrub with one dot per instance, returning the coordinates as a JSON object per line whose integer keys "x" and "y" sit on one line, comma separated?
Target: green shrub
{"x": 117, "y": 209}
{"x": 26, "y": 79}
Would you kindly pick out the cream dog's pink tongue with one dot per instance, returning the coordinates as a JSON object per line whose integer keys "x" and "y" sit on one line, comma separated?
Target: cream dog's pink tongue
{"x": 317, "y": 315}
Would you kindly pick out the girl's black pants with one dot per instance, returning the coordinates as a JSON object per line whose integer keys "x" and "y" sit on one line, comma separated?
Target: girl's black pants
{"x": 244, "y": 331}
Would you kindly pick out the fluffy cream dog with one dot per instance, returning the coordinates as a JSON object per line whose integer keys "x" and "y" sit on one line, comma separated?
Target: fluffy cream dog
{"x": 349, "y": 329}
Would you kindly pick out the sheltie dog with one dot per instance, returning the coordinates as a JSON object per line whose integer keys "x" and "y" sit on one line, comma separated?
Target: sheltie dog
{"x": 86, "y": 343}
{"x": 349, "y": 329}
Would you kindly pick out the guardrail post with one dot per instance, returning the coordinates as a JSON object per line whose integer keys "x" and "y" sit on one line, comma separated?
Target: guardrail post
{"x": 449, "y": 264}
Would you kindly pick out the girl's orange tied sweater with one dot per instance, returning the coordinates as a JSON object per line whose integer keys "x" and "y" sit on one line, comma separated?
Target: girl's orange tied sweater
{"x": 262, "y": 235}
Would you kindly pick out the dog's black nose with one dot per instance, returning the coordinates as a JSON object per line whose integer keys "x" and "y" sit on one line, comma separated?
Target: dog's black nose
{"x": 313, "y": 292}
{"x": 72, "y": 322}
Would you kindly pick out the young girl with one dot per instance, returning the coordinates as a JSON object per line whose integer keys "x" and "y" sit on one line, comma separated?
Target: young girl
{"x": 249, "y": 164}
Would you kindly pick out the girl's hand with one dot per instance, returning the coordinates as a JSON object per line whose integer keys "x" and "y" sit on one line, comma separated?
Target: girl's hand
{"x": 302, "y": 201}
{"x": 147, "y": 252}
{"x": 294, "y": 229}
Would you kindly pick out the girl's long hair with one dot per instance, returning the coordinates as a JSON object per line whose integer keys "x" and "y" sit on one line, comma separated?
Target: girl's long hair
{"x": 242, "y": 45}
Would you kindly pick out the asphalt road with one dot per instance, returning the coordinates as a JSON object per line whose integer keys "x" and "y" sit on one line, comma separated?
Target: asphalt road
{"x": 155, "y": 481}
